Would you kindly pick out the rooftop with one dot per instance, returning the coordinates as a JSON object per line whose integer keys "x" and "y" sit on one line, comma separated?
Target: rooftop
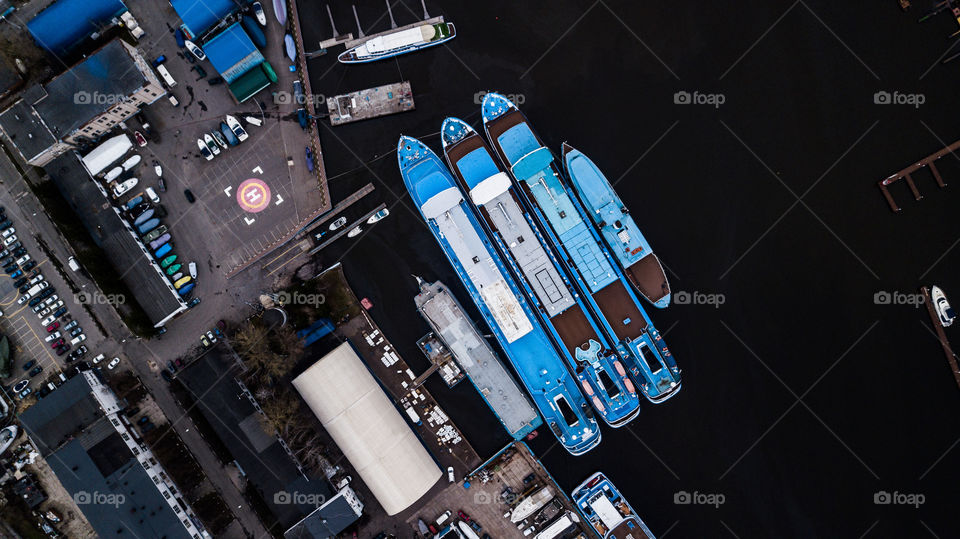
{"x": 64, "y": 412}
{"x": 221, "y": 400}
{"x": 66, "y": 23}
{"x": 26, "y": 130}
{"x": 89, "y": 88}
{"x": 198, "y": 16}
{"x": 150, "y": 289}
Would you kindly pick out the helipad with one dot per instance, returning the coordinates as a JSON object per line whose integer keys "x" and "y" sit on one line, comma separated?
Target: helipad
{"x": 253, "y": 195}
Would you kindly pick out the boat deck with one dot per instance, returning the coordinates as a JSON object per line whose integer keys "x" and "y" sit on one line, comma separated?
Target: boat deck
{"x": 621, "y": 311}
{"x": 647, "y": 276}
{"x": 445, "y": 315}
{"x": 628, "y": 529}
{"x": 574, "y": 328}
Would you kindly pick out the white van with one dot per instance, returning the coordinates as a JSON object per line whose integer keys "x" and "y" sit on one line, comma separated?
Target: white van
{"x": 162, "y": 70}
{"x": 72, "y": 262}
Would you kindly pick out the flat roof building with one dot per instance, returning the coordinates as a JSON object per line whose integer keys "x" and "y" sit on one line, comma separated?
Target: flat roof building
{"x": 79, "y": 106}
{"x": 113, "y": 478}
{"x": 389, "y": 457}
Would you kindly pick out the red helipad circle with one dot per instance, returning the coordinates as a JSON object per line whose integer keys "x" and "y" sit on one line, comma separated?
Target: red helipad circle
{"x": 253, "y": 195}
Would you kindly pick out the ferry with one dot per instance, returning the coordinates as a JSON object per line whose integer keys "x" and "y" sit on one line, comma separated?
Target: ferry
{"x": 595, "y": 364}
{"x": 630, "y": 249}
{"x": 607, "y": 511}
{"x": 496, "y": 295}
{"x": 399, "y": 41}
{"x": 604, "y": 288}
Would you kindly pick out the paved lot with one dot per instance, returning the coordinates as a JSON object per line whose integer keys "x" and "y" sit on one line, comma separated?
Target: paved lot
{"x": 274, "y": 154}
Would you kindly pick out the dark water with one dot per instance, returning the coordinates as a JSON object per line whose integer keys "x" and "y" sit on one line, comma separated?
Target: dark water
{"x": 803, "y": 398}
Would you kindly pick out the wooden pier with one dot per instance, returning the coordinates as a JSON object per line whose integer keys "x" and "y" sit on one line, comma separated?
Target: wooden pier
{"x": 938, "y": 327}
{"x": 370, "y": 103}
{"x": 905, "y": 174}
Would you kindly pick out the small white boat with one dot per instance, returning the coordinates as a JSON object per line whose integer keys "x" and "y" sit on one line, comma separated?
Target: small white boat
{"x": 133, "y": 161}
{"x": 355, "y": 232}
{"x": 212, "y": 146}
{"x": 942, "y": 306}
{"x": 195, "y": 50}
{"x": 258, "y": 12}
{"x": 7, "y": 436}
{"x": 378, "y": 216}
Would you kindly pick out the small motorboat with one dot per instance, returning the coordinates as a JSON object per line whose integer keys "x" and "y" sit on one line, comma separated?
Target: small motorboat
{"x": 157, "y": 168}
{"x": 7, "y": 436}
{"x": 354, "y": 232}
{"x": 204, "y": 151}
{"x": 942, "y": 306}
{"x": 280, "y": 10}
{"x": 291, "y": 47}
{"x": 196, "y": 51}
{"x": 378, "y": 216}
{"x": 258, "y": 12}
{"x": 211, "y": 145}
{"x": 218, "y": 138}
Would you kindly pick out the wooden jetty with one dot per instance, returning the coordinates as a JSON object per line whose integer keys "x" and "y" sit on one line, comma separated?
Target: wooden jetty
{"x": 938, "y": 327}
{"x": 905, "y": 174}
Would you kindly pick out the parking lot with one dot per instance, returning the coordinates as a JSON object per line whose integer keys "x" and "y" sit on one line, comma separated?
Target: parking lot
{"x": 234, "y": 221}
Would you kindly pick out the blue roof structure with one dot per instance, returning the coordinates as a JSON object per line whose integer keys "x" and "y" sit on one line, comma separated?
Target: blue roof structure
{"x": 65, "y": 23}
{"x": 199, "y": 15}
{"x": 232, "y": 53}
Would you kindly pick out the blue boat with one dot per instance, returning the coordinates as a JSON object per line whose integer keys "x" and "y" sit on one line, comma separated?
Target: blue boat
{"x": 602, "y": 285}
{"x": 589, "y": 355}
{"x": 630, "y": 249}
{"x": 163, "y": 250}
{"x": 148, "y": 226}
{"x": 254, "y": 31}
{"x": 493, "y": 290}
{"x": 399, "y": 41}
{"x": 134, "y": 201}
{"x": 183, "y": 291}
{"x": 144, "y": 217}
{"x": 607, "y": 511}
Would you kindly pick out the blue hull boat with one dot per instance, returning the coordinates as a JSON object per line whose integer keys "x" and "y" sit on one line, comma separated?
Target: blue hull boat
{"x": 496, "y": 295}
{"x": 630, "y": 249}
{"x": 589, "y": 356}
{"x": 587, "y": 260}
{"x": 607, "y": 511}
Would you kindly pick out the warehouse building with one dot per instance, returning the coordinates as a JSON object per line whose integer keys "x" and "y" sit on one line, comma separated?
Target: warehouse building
{"x": 368, "y": 428}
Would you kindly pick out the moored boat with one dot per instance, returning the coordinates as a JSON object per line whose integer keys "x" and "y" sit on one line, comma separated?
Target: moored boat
{"x": 497, "y": 296}
{"x": 401, "y": 41}
{"x": 608, "y": 213}
{"x": 607, "y": 511}
{"x": 582, "y": 253}
{"x": 280, "y": 10}
{"x": 7, "y": 436}
{"x": 589, "y": 355}
{"x": 944, "y": 311}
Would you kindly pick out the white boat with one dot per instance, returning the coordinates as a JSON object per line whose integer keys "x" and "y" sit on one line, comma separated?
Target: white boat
{"x": 466, "y": 530}
{"x": 234, "y": 126}
{"x": 378, "y": 216}
{"x": 258, "y": 12}
{"x": 133, "y": 161}
{"x": 355, "y": 232}
{"x": 204, "y": 151}
{"x": 394, "y": 42}
{"x": 210, "y": 144}
{"x": 7, "y": 436}
{"x": 531, "y": 504}
{"x": 942, "y": 306}
{"x": 195, "y": 50}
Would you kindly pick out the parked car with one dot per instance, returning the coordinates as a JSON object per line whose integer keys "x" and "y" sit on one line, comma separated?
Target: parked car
{"x": 71, "y": 325}
{"x": 189, "y": 194}
{"x": 23, "y": 394}
{"x": 14, "y": 274}
{"x": 78, "y": 339}
{"x": 52, "y": 337}
{"x": 113, "y": 363}
{"x": 29, "y": 364}
{"x": 53, "y": 326}
{"x": 48, "y": 320}
{"x": 9, "y": 240}
{"x": 29, "y": 265}
{"x": 36, "y": 370}
{"x": 98, "y": 359}
{"x": 60, "y": 312}
{"x": 62, "y": 349}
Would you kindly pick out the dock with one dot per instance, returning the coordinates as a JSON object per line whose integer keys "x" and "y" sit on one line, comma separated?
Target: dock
{"x": 494, "y": 489}
{"x": 906, "y": 174}
{"x": 441, "y": 359}
{"x": 938, "y": 327}
{"x": 370, "y": 103}
{"x": 498, "y": 388}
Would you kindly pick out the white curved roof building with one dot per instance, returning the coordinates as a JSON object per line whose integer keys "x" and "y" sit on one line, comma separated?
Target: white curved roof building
{"x": 369, "y": 430}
